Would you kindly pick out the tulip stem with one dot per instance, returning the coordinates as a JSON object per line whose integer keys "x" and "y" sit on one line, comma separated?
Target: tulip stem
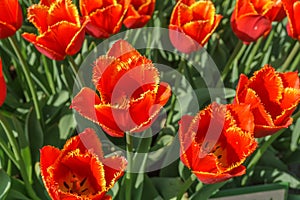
{"x": 75, "y": 69}
{"x": 252, "y": 55}
{"x": 236, "y": 54}
{"x": 28, "y": 78}
{"x": 128, "y": 177}
{"x": 48, "y": 75}
{"x": 187, "y": 184}
{"x": 262, "y": 150}
{"x": 18, "y": 158}
{"x": 291, "y": 56}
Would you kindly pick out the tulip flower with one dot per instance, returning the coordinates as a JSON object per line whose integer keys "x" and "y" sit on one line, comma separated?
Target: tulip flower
{"x": 131, "y": 95}
{"x": 252, "y": 19}
{"x": 139, "y": 13}
{"x": 106, "y": 16}
{"x": 61, "y": 32}
{"x": 273, "y": 97}
{"x": 11, "y": 17}
{"x": 2, "y": 85}
{"x": 192, "y": 25}
{"x": 216, "y": 142}
{"x": 292, "y": 8}
{"x": 79, "y": 170}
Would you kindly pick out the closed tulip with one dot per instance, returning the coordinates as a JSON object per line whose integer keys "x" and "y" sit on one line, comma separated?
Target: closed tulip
{"x": 292, "y": 8}
{"x": 11, "y": 17}
{"x": 139, "y": 13}
{"x": 192, "y": 25}
{"x": 106, "y": 16}
{"x": 252, "y": 19}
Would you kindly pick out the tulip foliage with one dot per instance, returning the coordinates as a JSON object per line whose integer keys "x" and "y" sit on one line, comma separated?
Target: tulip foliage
{"x": 147, "y": 99}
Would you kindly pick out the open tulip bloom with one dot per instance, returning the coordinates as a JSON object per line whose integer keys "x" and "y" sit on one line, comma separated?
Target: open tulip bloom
{"x": 273, "y": 97}
{"x": 79, "y": 170}
{"x": 131, "y": 94}
{"x": 60, "y": 31}
{"x": 216, "y": 142}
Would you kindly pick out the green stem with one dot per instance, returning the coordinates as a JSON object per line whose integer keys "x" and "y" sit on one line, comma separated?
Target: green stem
{"x": 187, "y": 184}
{"x": 48, "y": 74}
{"x": 28, "y": 78}
{"x": 296, "y": 63}
{"x": 75, "y": 69}
{"x": 128, "y": 177}
{"x": 262, "y": 149}
{"x": 236, "y": 54}
{"x": 252, "y": 55}
{"x": 8, "y": 152}
{"x": 18, "y": 158}
{"x": 291, "y": 56}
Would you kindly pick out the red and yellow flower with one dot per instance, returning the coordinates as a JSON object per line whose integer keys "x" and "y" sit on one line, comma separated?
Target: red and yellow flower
{"x": 61, "y": 32}
{"x": 192, "y": 25}
{"x": 252, "y": 19}
{"x": 11, "y": 18}
{"x": 292, "y": 8}
{"x": 139, "y": 13}
{"x": 79, "y": 170}
{"x": 273, "y": 97}
{"x": 106, "y": 16}
{"x": 131, "y": 95}
{"x": 216, "y": 142}
{"x": 2, "y": 85}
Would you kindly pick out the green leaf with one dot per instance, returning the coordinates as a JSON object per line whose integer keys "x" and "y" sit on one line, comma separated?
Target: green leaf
{"x": 5, "y": 184}
{"x": 34, "y": 132}
{"x": 295, "y": 136}
{"x": 167, "y": 187}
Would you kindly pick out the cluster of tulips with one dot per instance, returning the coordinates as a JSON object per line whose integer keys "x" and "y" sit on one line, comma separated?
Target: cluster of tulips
{"x": 129, "y": 94}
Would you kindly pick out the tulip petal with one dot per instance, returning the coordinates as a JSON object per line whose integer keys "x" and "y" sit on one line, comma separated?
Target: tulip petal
{"x": 2, "y": 85}
{"x": 243, "y": 116}
{"x": 211, "y": 178}
{"x": 251, "y": 27}
{"x": 63, "y": 10}
{"x": 105, "y": 22}
{"x": 38, "y": 14}
{"x": 182, "y": 41}
{"x": 204, "y": 10}
{"x": 120, "y": 48}
{"x": 90, "y": 141}
{"x": 84, "y": 103}
{"x": 43, "y": 49}
{"x": 48, "y": 155}
{"x": 113, "y": 120}
{"x": 11, "y": 18}
{"x": 290, "y": 79}
{"x": 114, "y": 168}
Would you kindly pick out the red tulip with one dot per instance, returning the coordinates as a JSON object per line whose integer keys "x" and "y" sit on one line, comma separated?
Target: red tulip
{"x": 292, "y": 8}
{"x": 273, "y": 97}
{"x": 216, "y": 142}
{"x": 192, "y": 25}
{"x": 11, "y": 18}
{"x": 2, "y": 86}
{"x": 130, "y": 93}
{"x": 79, "y": 170}
{"x": 139, "y": 13}
{"x": 106, "y": 16}
{"x": 58, "y": 23}
{"x": 252, "y": 19}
